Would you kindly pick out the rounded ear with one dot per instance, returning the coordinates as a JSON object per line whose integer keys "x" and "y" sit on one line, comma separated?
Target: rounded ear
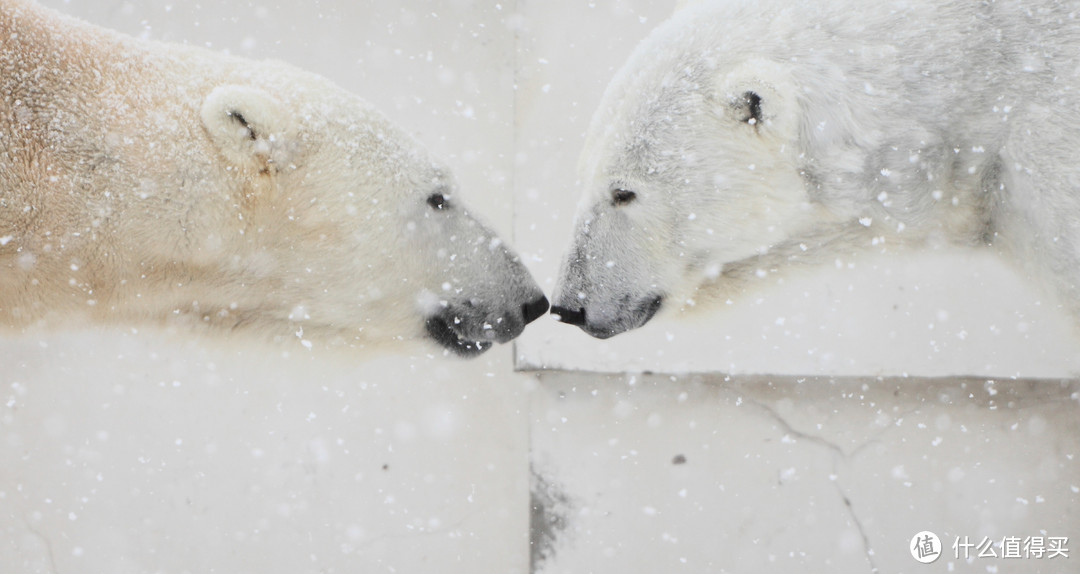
{"x": 250, "y": 128}
{"x": 762, "y": 94}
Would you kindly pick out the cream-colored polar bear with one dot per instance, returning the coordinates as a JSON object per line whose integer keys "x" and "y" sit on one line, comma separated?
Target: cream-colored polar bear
{"x": 145, "y": 182}
{"x": 746, "y": 136}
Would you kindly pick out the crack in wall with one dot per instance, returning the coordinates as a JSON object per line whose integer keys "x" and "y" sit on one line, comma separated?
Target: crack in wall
{"x": 46, "y": 542}
{"x": 845, "y": 456}
{"x": 797, "y": 433}
{"x": 839, "y": 456}
{"x": 858, "y": 524}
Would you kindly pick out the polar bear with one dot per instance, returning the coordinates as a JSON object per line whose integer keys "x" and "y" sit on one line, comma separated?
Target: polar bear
{"x": 744, "y": 137}
{"x": 143, "y": 182}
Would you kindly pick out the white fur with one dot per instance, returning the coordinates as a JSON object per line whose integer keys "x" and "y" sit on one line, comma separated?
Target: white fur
{"x": 147, "y": 182}
{"x": 919, "y": 122}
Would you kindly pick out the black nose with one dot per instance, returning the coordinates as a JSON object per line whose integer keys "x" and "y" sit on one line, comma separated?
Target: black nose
{"x": 532, "y": 311}
{"x": 569, "y": 316}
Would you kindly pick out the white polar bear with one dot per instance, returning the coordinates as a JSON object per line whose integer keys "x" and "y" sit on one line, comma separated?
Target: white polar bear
{"x": 146, "y": 182}
{"x": 744, "y": 136}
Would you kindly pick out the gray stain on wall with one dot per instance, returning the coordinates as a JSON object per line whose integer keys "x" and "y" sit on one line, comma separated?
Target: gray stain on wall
{"x": 549, "y": 511}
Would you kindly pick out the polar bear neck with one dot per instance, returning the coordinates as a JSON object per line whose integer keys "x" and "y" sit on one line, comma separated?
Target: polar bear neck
{"x": 100, "y": 130}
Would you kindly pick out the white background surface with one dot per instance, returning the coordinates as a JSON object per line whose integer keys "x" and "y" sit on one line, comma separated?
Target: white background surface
{"x": 144, "y": 453}
{"x": 694, "y": 474}
{"x": 126, "y": 451}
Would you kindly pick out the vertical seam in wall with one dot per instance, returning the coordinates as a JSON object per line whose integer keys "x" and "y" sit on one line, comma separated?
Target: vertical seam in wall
{"x": 516, "y": 48}
{"x": 515, "y": 12}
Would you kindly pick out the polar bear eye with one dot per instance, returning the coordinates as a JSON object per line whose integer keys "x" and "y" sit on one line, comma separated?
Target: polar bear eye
{"x": 437, "y": 200}
{"x": 240, "y": 119}
{"x": 622, "y": 197}
{"x": 752, "y": 102}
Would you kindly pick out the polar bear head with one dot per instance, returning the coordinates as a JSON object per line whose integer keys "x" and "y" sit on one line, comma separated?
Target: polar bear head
{"x": 690, "y": 166}
{"x": 348, "y": 230}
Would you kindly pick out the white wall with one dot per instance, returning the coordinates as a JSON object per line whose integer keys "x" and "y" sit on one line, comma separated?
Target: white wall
{"x": 816, "y": 476}
{"x": 140, "y": 451}
{"x": 124, "y": 452}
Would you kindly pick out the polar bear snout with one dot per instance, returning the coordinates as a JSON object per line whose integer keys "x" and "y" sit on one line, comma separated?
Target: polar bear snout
{"x": 443, "y": 329}
{"x": 534, "y": 309}
{"x": 470, "y": 327}
{"x": 569, "y": 316}
{"x": 603, "y": 323}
